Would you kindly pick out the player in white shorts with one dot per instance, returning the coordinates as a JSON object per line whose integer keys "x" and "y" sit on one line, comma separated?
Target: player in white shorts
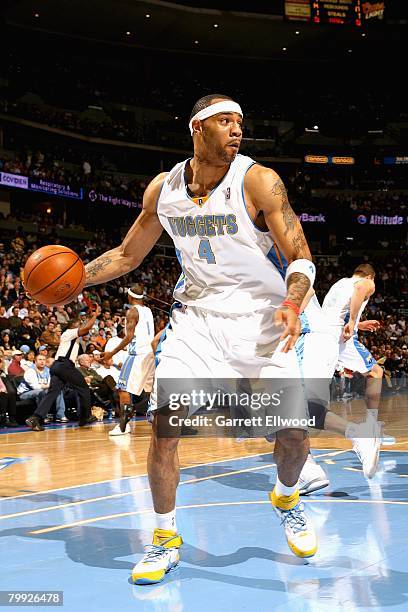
{"x": 317, "y": 349}
{"x": 137, "y": 373}
{"x": 343, "y": 307}
{"x": 224, "y": 212}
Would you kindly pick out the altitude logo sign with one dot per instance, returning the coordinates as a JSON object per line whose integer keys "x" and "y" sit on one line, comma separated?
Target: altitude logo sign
{"x": 6, "y": 462}
{"x": 381, "y": 220}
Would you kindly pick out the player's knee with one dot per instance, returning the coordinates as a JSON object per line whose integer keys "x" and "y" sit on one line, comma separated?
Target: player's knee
{"x": 163, "y": 439}
{"x": 376, "y": 372}
{"x": 318, "y": 413}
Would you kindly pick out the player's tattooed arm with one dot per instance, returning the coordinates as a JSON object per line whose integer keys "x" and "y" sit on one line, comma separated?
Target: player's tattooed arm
{"x": 298, "y": 286}
{"x": 137, "y": 243}
{"x": 97, "y": 265}
{"x": 265, "y": 191}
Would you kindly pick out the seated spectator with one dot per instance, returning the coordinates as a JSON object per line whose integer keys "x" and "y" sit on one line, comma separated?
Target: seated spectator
{"x": 25, "y": 363}
{"x": 5, "y": 340}
{"x": 24, "y": 334}
{"x": 30, "y": 357}
{"x": 107, "y": 368}
{"x": 102, "y": 387}
{"x": 4, "y": 322}
{"x": 14, "y": 320}
{"x": 62, "y": 316}
{"x": 36, "y": 384}
{"x": 43, "y": 350}
{"x": 51, "y": 336}
{"x": 15, "y": 368}
{"x": 37, "y": 328}
{"x": 7, "y": 400}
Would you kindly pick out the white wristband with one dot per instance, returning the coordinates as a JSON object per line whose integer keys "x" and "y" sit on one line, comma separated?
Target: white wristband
{"x": 304, "y": 266}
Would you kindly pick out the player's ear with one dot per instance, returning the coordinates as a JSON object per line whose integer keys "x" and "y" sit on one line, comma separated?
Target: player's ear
{"x": 196, "y": 125}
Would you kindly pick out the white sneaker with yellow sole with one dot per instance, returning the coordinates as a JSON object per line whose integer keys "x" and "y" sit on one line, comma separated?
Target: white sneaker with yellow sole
{"x": 161, "y": 556}
{"x": 299, "y": 530}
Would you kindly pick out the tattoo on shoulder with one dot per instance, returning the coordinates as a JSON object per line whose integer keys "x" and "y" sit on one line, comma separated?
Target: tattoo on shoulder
{"x": 96, "y": 266}
{"x": 289, "y": 217}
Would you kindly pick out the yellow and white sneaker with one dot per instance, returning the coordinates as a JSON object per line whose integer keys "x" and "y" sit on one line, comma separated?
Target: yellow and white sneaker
{"x": 299, "y": 530}
{"x": 161, "y": 556}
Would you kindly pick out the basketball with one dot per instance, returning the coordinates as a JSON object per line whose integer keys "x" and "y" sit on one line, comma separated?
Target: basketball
{"x": 54, "y": 275}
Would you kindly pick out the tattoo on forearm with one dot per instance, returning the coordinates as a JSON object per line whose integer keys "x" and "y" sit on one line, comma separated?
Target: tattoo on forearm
{"x": 93, "y": 268}
{"x": 289, "y": 217}
{"x": 300, "y": 247}
{"x": 298, "y": 286}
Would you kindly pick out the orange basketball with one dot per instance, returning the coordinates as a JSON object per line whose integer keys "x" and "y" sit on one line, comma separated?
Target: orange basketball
{"x": 54, "y": 275}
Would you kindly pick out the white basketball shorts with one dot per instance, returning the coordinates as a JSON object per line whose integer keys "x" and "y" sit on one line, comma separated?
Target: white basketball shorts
{"x": 137, "y": 374}
{"x": 354, "y": 356}
{"x": 205, "y": 345}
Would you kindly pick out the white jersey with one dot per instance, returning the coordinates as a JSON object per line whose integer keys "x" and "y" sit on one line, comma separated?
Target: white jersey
{"x": 69, "y": 344}
{"x": 144, "y": 332}
{"x": 223, "y": 256}
{"x": 312, "y": 318}
{"x": 336, "y": 304}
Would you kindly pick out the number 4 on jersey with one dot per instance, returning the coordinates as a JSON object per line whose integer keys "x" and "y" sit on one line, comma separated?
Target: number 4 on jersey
{"x": 205, "y": 251}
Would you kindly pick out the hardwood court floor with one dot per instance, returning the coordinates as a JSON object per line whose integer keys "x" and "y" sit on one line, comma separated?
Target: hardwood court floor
{"x": 66, "y": 455}
{"x": 75, "y": 514}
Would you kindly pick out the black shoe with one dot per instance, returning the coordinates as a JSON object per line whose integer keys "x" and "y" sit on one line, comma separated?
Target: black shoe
{"x": 126, "y": 413}
{"x": 87, "y": 421}
{"x": 35, "y": 423}
{"x": 11, "y": 423}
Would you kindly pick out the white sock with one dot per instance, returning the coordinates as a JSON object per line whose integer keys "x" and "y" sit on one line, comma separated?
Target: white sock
{"x": 166, "y": 521}
{"x": 351, "y": 431}
{"x": 281, "y": 489}
{"x": 373, "y": 413}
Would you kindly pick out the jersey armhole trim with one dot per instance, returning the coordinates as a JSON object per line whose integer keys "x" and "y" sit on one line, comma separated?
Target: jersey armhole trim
{"x": 161, "y": 189}
{"x": 244, "y": 201}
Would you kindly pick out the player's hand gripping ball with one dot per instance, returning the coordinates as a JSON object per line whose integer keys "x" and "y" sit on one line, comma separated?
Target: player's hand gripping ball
{"x": 54, "y": 275}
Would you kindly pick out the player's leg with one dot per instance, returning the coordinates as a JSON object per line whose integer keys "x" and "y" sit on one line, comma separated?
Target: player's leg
{"x": 291, "y": 450}
{"x": 164, "y": 475}
{"x": 373, "y": 389}
{"x": 181, "y": 360}
{"x": 67, "y": 372}
{"x": 125, "y": 402}
{"x": 125, "y": 414}
{"x": 318, "y": 353}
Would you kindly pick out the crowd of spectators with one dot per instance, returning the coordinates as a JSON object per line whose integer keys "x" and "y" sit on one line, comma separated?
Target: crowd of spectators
{"x": 300, "y": 183}
{"x": 46, "y": 166}
{"x": 28, "y": 329}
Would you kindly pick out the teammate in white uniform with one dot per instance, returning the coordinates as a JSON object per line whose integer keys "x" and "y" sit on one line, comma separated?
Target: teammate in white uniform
{"x": 136, "y": 375}
{"x": 343, "y": 307}
{"x": 318, "y": 349}
{"x": 224, "y": 212}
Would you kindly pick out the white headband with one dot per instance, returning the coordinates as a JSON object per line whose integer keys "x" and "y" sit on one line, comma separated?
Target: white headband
{"x": 135, "y": 295}
{"x": 226, "y": 106}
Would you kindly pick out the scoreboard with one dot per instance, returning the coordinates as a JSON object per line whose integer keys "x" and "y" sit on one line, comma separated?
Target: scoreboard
{"x": 336, "y": 11}
{"x": 344, "y": 12}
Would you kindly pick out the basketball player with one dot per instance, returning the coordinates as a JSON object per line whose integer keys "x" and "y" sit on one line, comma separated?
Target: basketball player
{"x": 343, "y": 307}
{"x": 136, "y": 375}
{"x": 237, "y": 317}
{"x": 63, "y": 371}
{"x": 317, "y": 349}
